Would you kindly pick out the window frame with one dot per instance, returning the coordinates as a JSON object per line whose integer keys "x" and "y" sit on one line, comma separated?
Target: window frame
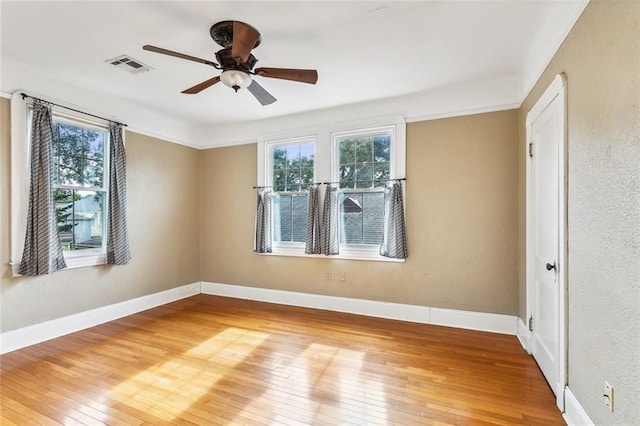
{"x": 21, "y": 176}
{"x": 369, "y": 251}
{"x": 93, "y": 125}
{"x": 288, "y": 247}
{"x": 326, "y": 170}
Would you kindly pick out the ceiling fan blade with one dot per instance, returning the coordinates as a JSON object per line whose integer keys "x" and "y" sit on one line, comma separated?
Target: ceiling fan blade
{"x": 244, "y": 39}
{"x": 304, "y": 76}
{"x": 200, "y": 87}
{"x": 178, "y": 55}
{"x": 264, "y": 97}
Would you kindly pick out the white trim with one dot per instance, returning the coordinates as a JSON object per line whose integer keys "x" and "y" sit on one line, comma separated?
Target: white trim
{"x": 19, "y": 177}
{"x": 558, "y": 83}
{"x": 574, "y": 414}
{"x": 557, "y": 89}
{"x": 5, "y": 95}
{"x": 27, "y": 336}
{"x": 524, "y": 335}
{"x": 462, "y": 113}
{"x": 480, "y": 321}
{"x": 495, "y": 323}
{"x": 299, "y": 252}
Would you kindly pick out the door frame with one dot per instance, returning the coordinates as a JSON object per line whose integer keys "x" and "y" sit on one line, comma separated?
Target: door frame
{"x": 557, "y": 89}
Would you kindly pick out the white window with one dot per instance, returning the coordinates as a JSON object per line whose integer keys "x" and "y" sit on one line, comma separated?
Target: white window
{"x": 360, "y": 158}
{"x": 291, "y": 171}
{"x": 362, "y": 168}
{"x": 80, "y": 184}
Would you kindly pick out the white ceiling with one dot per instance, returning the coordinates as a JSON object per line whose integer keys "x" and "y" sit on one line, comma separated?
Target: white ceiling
{"x": 418, "y": 58}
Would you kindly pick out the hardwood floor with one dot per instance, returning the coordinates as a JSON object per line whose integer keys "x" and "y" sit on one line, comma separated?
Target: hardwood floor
{"x": 210, "y": 360}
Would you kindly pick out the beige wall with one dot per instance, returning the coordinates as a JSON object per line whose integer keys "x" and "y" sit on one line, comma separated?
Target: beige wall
{"x": 461, "y": 218}
{"x": 601, "y": 59}
{"x": 163, "y": 209}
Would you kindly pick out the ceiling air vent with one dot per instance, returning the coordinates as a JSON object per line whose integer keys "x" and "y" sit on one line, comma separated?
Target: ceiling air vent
{"x": 129, "y": 64}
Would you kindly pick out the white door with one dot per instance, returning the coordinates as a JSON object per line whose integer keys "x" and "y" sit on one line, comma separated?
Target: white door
{"x": 545, "y": 219}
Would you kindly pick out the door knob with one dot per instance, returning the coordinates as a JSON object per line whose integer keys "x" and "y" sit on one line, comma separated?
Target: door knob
{"x": 550, "y": 266}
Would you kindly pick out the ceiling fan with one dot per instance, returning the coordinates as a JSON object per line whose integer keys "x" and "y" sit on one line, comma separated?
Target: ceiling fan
{"x": 237, "y": 63}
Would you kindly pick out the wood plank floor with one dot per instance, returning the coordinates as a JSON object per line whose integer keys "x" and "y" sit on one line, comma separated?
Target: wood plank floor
{"x": 209, "y": 360}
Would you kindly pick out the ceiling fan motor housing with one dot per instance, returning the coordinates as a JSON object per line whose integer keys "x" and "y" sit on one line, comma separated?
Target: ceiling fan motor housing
{"x": 228, "y": 62}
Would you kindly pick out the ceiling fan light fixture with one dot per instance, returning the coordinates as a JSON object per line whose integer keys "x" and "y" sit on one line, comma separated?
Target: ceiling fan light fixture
{"x": 235, "y": 79}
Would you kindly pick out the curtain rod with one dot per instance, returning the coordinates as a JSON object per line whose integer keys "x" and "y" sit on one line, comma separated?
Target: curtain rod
{"x": 335, "y": 183}
{"x": 24, "y": 95}
{"x": 365, "y": 181}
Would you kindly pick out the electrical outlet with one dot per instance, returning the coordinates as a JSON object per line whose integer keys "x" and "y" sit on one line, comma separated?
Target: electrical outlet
{"x": 327, "y": 276}
{"x": 608, "y": 396}
{"x": 343, "y": 276}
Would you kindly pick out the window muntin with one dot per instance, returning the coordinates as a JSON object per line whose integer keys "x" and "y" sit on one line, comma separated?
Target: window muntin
{"x": 361, "y": 215}
{"x": 292, "y": 167}
{"x": 21, "y": 113}
{"x": 363, "y": 161}
{"x": 79, "y": 184}
{"x": 326, "y": 169}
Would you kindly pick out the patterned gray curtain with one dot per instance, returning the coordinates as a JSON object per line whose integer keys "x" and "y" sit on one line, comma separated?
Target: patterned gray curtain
{"x": 42, "y": 250}
{"x": 312, "y": 245}
{"x": 263, "y": 222}
{"x": 117, "y": 236}
{"x": 330, "y": 243}
{"x": 394, "y": 235}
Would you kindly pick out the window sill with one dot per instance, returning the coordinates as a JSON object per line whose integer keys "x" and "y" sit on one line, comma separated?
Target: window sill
{"x": 73, "y": 262}
{"x": 346, "y": 254}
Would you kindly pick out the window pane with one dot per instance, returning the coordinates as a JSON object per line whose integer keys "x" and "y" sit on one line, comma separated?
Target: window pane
{"x": 279, "y": 169}
{"x": 307, "y": 153}
{"x": 293, "y": 180}
{"x": 300, "y": 208}
{"x": 69, "y": 170}
{"x": 281, "y": 217}
{"x": 347, "y": 175}
{"x": 279, "y": 157}
{"x": 364, "y": 175}
{"x": 373, "y": 216}
{"x": 350, "y": 218}
{"x": 306, "y": 177}
{"x": 381, "y": 171}
{"x": 364, "y": 149}
{"x": 364, "y": 161}
{"x": 347, "y": 151}
{"x": 290, "y": 217}
{"x": 93, "y": 173}
{"x": 361, "y": 217}
{"x": 63, "y": 201}
{"x": 382, "y": 148}
{"x": 79, "y": 155}
{"x": 94, "y": 144}
{"x": 293, "y": 167}
{"x": 80, "y": 217}
{"x": 293, "y": 156}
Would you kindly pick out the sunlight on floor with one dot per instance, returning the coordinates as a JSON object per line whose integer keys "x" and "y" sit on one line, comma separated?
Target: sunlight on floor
{"x": 166, "y": 390}
{"x": 320, "y": 381}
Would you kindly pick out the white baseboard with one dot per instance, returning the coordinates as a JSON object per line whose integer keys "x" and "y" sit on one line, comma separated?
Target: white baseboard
{"x": 524, "y": 335}
{"x": 27, "y": 336}
{"x": 480, "y": 321}
{"x": 495, "y": 323}
{"x": 574, "y": 414}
